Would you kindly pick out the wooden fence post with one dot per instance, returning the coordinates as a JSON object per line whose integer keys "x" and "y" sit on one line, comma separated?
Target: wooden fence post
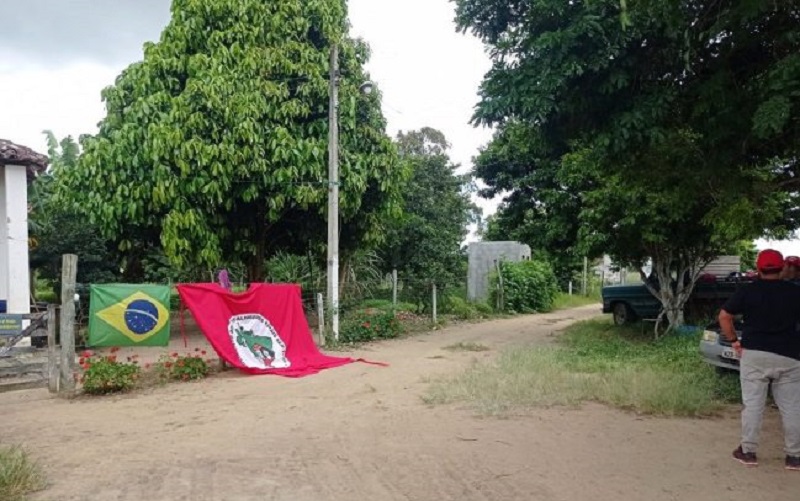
{"x": 435, "y": 316}
{"x": 321, "y": 318}
{"x": 52, "y": 356}
{"x": 394, "y": 289}
{"x": 501, "y": 300}
{"x": 69, "y": 272}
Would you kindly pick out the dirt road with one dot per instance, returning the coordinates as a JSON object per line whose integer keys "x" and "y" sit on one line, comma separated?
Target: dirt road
{"x": 362, "y": 432}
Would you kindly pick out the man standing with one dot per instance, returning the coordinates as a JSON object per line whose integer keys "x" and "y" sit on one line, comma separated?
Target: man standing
{"x": 791, "y": 268}
{"x": 769, "y": 352}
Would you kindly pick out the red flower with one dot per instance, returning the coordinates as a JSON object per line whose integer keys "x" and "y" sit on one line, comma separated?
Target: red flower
{"x": 203, "y": 352}
{"x": 81, "y": 361}
{"x": 167, "y": 364}
{"x": 115, "y": 349}
{"x": 175, "y": 355}
{"x": 86, "y": 354}
{"x": 87, "y": 366}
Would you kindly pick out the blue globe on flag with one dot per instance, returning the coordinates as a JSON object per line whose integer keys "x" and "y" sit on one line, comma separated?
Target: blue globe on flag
{"x": 141, "y": 316}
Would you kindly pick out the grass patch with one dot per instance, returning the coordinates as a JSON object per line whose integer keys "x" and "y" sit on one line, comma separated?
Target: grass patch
{"x": 595, "y": 361}
{"x": 19, "y": 474}
{"x": 466, "y": 347}
{"x": 565, "y": 301}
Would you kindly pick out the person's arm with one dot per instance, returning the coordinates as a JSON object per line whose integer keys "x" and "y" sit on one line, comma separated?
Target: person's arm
{"x": 726, "y": 324}
{"x": 729, "y": 331}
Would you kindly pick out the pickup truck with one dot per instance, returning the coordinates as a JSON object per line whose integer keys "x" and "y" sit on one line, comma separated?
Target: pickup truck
{"x": 628, "y": 303}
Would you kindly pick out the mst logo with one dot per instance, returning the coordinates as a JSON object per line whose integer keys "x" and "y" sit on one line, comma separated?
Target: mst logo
{"x": 257, "y": 342}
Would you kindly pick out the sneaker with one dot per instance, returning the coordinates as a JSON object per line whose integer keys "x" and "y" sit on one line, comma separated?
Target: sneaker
{"x": 793, "y": 463}
{"x": 747, "y": 458}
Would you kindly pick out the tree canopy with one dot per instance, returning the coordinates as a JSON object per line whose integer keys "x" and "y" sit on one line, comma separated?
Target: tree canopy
{"x": 425, "y": 244}
{"x": 663, "y": 129}
{"x": 55, "y": 230}
{"x": 214, "y": 145}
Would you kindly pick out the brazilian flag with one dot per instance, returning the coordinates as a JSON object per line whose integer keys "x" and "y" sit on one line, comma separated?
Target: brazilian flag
{"x": 129, "y": 315}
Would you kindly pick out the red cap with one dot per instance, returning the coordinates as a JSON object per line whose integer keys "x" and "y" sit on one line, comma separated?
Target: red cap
{"x": 792, "y": 261}
{"x": 769, "y": 260}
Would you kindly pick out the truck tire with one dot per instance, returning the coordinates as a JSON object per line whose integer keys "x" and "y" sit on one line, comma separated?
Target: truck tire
{"x": 622, "y": 314}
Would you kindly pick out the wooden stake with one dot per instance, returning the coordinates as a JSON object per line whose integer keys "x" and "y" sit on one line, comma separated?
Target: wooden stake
{"x": 69, "y": 272}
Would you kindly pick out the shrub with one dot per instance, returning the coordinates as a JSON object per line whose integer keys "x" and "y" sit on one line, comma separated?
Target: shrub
{"x": 105, "y": 374}
{"x": 362, "y": 327}
{"x": 483, "y": 308}
{"x": 183, "y": 367}
{"x": 527, "y": 286}
{"x": 462, "y": 309}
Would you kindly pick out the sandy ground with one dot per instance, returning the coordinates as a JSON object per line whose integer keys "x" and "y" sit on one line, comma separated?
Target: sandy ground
{"x": 362, "y": 432}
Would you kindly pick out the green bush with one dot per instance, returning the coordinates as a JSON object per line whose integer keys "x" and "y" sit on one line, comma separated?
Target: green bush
{"x": 483, "y": 308}
{"x": 465, "y": 310}
{"x": 362, "y": 327}
{"x": 183, "y": 367}
{"x": 527, "y": 286}
{"x": 104, "y": 374}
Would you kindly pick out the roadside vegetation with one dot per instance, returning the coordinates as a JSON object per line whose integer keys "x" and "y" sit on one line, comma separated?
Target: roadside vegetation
{"x": 594, "y": 361}
{"x": 19, "y": 474}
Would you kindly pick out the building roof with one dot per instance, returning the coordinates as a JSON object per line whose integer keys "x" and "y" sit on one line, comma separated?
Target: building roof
{"x": 15, "y": 154}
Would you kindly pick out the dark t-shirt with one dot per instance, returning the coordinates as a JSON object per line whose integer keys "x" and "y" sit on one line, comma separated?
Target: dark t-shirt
{"x": 771, "y": 311}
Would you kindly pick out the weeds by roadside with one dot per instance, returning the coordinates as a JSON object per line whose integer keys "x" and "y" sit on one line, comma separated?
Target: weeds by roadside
{"x": 462, "y": 346}
{"x": 19, "y": 474}
{"x": 564, "y": 301}
{"x": 595, "y": 361}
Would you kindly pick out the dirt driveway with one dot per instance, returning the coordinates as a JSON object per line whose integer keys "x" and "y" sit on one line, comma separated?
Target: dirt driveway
{"x": 362, "y": 432}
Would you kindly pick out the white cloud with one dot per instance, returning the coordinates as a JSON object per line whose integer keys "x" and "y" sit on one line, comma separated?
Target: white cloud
{"x": 66, "y": 100}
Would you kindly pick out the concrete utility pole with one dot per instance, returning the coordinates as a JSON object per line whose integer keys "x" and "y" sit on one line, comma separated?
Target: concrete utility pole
{"x": 333, "y": 192}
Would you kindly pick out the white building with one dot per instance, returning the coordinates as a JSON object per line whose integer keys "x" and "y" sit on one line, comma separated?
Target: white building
{"x": 18, "y": 167}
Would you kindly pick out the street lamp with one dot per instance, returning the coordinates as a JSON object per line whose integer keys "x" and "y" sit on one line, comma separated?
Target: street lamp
{"x": 367, "y": 87}
{"x": 333, "y": 186}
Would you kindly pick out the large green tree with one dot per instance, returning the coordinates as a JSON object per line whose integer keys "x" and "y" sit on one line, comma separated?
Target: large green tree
{"x": 57, "y": 230}
{"x": 424, "y": 246}
{"x": 669, "y": 127}
{"x": 215, "y": 144}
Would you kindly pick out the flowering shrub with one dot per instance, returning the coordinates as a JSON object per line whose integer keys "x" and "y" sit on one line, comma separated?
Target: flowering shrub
{"x": 184, "y": 367}
{"x": 105, "y": 374}
{"x": 362, "y": 327}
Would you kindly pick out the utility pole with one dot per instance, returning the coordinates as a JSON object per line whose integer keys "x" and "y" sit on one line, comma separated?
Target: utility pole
{"x": 333, "y": 192}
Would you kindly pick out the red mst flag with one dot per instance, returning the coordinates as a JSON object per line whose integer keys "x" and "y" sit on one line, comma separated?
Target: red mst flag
{"x": 260, "y": 331}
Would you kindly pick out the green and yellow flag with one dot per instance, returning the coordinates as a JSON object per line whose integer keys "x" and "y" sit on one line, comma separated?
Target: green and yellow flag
{"x": 129, "y": 315}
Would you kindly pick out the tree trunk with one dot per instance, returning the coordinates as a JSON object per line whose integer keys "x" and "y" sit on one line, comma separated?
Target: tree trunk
{"x": 673, "y": 293}
{"x": 255, "y": 266}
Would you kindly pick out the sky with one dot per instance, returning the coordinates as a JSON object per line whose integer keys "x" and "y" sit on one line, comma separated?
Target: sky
{"x": 57, "y": 55}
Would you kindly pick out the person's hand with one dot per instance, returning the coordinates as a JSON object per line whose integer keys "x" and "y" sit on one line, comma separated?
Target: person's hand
{"x": 737, "y": 347}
